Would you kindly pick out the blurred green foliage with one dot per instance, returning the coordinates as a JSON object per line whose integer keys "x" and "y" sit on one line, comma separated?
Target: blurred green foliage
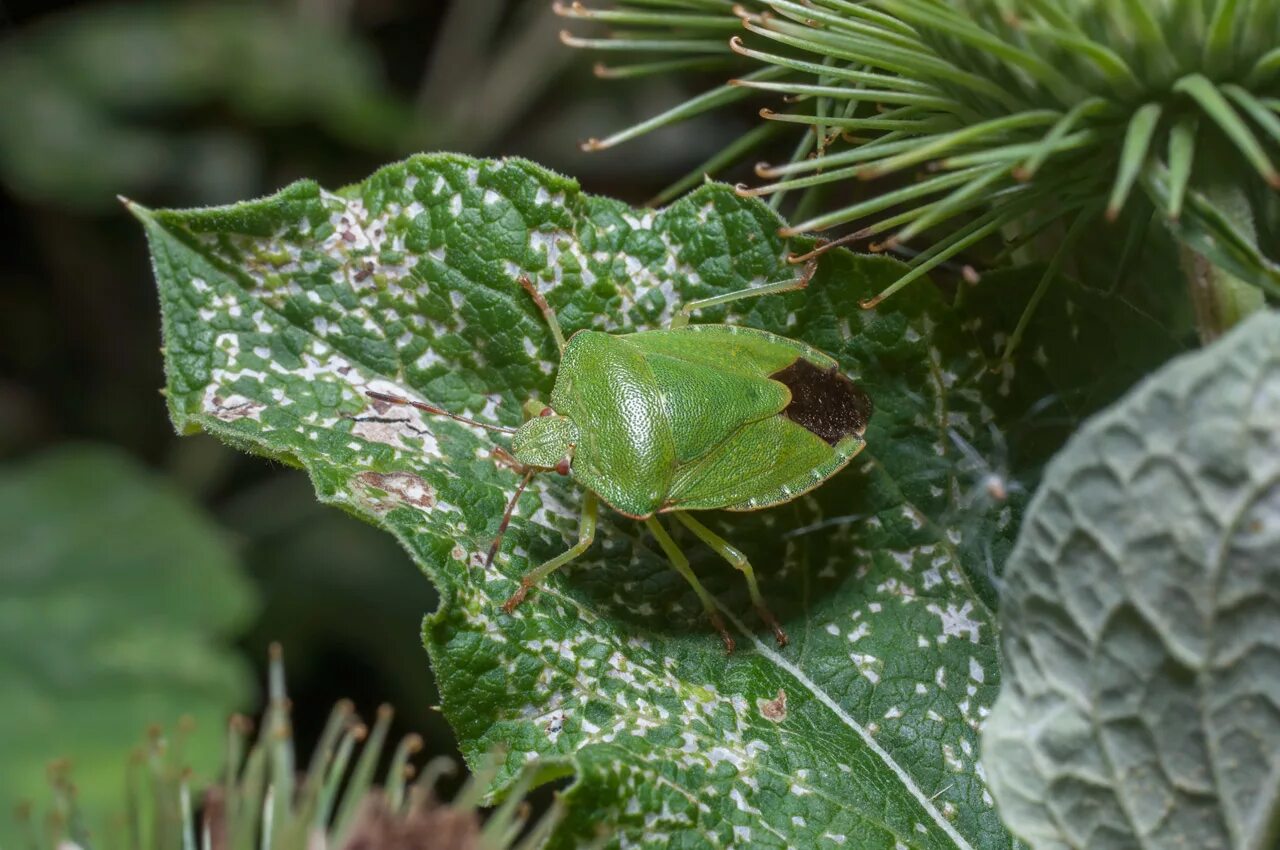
{"x": 107, "y": 100}
{"x": 117, "y": 596}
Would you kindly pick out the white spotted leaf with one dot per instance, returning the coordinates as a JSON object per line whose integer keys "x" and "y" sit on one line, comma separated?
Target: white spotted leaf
{"x": 1141, "y": 615}
{"x": 280, "y": 314}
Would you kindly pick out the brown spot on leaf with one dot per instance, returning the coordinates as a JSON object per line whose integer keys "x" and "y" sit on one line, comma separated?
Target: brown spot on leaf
{"x": 824, "y": 402}
{"x": 774, "y": 709}
{"x": 399, "y": 487}
{"x": 387, "y": 430}
{"x": 380, "y": 403}
{"x": 236, "y": 407}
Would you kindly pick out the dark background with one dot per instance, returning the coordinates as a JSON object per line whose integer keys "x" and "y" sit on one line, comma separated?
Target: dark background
{"x": 154, "y": 102}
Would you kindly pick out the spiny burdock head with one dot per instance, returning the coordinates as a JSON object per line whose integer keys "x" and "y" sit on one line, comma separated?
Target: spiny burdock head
{"x": 267, "y": 801}
{"x": 1010, "y": 114}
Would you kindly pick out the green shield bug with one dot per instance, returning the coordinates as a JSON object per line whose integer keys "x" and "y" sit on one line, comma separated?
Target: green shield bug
{"x": 691, "y": 417}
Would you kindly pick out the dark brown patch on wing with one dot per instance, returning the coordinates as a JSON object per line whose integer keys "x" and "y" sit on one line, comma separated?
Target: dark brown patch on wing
{"x": 823, "y": 401}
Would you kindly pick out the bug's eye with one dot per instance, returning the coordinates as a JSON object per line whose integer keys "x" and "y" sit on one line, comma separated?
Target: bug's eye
{"x": 563, "y": 466}
{"x": 546, "y": 411}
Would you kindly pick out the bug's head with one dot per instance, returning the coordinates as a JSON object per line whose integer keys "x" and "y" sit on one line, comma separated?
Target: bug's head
{"x": 546, "y": 442}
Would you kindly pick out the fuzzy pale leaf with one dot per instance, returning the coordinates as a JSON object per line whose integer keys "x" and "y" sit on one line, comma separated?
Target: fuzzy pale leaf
{"x": 1141, "y": 705}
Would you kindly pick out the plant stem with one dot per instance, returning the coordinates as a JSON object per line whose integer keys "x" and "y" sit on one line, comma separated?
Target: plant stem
{"x": 1219, "y": 299}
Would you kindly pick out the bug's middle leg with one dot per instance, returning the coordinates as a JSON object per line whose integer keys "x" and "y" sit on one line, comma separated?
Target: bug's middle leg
{"x": 681, "y": 564}
{"x": 586, "y": 534}
{"x": 739, "y": 561}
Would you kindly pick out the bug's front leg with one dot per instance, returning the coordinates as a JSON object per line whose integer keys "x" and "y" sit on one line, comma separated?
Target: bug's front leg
{"x": 681, "y": 564}
{"x": 502, "y": 457}
{"x": 681, "y": 318}
{"x": 545, "y": 309}
{"x": 734, "y": 556}
{"x": 586, "y": 534}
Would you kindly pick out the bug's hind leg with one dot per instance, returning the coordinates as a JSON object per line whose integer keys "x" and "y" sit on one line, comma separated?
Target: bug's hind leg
{"x": 586, "y": 534}
{"x": 681, "y": 564}
{"x": 739, "y": 561}
{"x": 545, "y": 308}
{"x": 681, "y": 317}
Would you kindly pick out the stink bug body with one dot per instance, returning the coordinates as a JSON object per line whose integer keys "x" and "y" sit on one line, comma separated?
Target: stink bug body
{"x": 691, "y": 417}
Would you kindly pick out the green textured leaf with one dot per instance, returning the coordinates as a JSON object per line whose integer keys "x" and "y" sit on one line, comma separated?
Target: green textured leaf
{"x": 279, "y": 314}
{"x": 1141, "y": 615}
{"x": 115, "y": 597}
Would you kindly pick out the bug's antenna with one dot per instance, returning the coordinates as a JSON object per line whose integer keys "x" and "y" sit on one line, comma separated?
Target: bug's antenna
{"x": 506, "y": 518}
{"x": 435, "y": 411}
